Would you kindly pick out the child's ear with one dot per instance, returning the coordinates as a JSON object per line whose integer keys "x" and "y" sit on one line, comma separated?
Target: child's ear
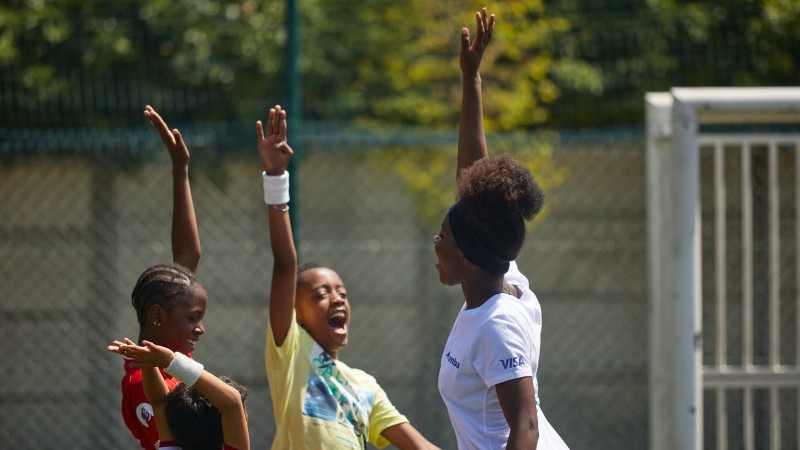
{"x": 155, "y": 315}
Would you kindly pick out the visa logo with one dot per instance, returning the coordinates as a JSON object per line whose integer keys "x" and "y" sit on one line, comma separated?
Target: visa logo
{"x": 516, "y": 361}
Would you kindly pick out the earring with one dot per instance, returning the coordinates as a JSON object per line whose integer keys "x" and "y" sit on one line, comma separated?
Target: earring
{"x": 158, "y": 324}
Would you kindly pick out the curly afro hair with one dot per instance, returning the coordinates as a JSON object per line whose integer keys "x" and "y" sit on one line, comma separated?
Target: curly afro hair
{"x": 195, "y": 423}
{"x": 497, "y": 195}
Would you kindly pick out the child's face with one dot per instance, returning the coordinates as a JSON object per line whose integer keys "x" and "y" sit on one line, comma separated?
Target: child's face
{"x": 179, "y": 327}
{"x": 323, "y": 309}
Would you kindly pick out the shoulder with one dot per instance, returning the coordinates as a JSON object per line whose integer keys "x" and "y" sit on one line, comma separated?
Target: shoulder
{"x": 133, "y": 375}
{"x": 508, "y": 316}
{"x": 295, "y": 341}
{"x": 514, "y": 276}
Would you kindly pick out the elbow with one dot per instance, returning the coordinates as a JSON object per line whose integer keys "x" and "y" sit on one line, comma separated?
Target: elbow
{"x": 231, "y": 401}
{"x": 194, "y": 260}
{"x": 526, "y": 436}
{"x": 533, "y": 435}
{"x": 189, "y": 260}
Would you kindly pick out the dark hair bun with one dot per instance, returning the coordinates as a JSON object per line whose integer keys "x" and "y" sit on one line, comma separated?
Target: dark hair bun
{"x": 499, "y": 189}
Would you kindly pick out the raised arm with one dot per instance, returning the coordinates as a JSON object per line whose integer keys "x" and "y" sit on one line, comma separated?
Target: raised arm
{"x": 275, "y": 154}
{"x": 185, "y": 234}
{"x": 471, "y": 135}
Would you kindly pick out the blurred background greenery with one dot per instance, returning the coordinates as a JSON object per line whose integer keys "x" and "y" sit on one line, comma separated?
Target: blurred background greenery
{"x": 567, "y": 63}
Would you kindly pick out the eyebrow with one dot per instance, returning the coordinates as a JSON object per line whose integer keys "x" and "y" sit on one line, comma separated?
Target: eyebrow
{"x": 326, "y": 286}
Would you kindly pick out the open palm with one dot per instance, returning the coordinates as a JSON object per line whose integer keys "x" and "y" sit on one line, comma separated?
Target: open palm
{"x": 273, "y": 148}
{"x": 472, "y": 53}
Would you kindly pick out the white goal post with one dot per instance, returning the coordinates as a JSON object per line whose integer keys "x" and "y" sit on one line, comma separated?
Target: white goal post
{"x": 675, "y": 130}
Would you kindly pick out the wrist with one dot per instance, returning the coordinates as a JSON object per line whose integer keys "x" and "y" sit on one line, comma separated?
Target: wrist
{"x": 276, "y": 188}
{"x": 180, "y": 169}
{"x": 185, "y": 369}
{"x": 471, "y": 78}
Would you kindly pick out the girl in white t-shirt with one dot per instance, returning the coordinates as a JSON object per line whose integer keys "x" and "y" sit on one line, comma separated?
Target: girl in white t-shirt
{"x": 489, "y": 364}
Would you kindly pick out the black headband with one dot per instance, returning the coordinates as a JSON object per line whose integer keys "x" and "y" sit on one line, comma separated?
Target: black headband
{"x": 472, "y": 247}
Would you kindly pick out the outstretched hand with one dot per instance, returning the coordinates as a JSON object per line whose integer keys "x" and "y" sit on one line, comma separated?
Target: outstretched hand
{"x": 273, "y": 148}
{"x": 472, "y": 53}
{"x": 146, "y": 355}
{"x": 173, "y": 140}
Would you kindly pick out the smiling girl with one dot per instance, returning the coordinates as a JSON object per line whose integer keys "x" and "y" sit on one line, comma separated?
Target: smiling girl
{"x": 169, "y": 300}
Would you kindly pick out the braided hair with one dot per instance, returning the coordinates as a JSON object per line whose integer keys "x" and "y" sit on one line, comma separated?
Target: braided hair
{"x": 496, "y": 195}
{"x": 162, "y": 284}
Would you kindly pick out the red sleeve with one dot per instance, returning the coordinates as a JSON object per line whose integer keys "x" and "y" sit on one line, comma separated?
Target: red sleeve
{"x": 136, "y": 410}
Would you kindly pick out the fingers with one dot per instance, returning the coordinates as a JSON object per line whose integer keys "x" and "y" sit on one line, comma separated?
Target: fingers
{"x": 276, "y": 119}
{"x": 480, "y": 20}
{"x": 485, "y": 28}
{"x": 123, "y": 348}
{"x": 277, "y": 123}
{"x": 464, "y": 40}
{"x": 260, "y": 131}
{"x": 179, "y": 143}
{"x": 283, "y": 125}
{"x": 270, "y": 122}
{"x": 160, "y": 126}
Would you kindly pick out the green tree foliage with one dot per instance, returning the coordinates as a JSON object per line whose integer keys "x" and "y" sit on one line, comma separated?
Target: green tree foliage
{"x": 92, "y": 62}
{"x": 640, "y": 46}
{"x": 70, "y": 63}
{"x": 397, "y": 61}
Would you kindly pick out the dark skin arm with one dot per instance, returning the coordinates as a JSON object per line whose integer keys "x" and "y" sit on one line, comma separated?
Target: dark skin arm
{"x": 185, "y": 234}
{"x": 275, "y": 154}
{"x": 155, "y": 388}
{"x": 150, "y": 357}
{"x": 518, "y": 402}
{"x": 471, "y": 134}
{"x": 405, "y": 437}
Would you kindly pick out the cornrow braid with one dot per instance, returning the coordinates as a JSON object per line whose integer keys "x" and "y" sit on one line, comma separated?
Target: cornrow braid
{"x": 161, "y": 284}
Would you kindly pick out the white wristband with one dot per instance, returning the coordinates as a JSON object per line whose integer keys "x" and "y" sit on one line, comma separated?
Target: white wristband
{"x": 185, "y": 369}
{"x": 276, "y": 188}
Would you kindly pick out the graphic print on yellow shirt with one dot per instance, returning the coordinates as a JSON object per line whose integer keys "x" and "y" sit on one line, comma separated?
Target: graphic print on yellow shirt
{"x": 321, "y": 403}
{"x": 329, "y": 387}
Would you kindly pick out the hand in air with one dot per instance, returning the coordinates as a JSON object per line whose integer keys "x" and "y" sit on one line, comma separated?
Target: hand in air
{"x": 172, "y": 139}
{"x": 472, "y": 53}
{"x": 273, "y": 148}
{"x": 146, "y": 355}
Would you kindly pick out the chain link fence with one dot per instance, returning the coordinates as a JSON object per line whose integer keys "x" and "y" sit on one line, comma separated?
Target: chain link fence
{"x": 79, "y": 226}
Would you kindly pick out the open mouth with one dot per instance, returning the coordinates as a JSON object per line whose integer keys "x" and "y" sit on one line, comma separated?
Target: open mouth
{"x": 338, "y": 322}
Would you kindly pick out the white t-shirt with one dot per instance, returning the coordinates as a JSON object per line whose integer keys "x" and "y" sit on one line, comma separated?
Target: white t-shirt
{"x": 493, "y": 343}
